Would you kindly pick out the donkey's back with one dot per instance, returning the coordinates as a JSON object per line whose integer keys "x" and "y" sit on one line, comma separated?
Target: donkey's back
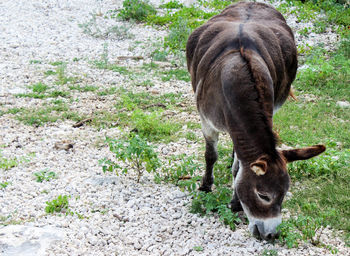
{"x": 257, "y": 33}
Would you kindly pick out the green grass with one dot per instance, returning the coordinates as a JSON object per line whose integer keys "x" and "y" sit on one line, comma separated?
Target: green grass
{"x": 45, "y": 114}
{"x": 322, "y": 196}
{"x": 154, "y": 126}
{"x": 8, "y": 163}
{"x": 178, "y": 74}
{"x": 86, "y": 88}
{"x": 137, "y": 10}
{"x": 335, "y": 13}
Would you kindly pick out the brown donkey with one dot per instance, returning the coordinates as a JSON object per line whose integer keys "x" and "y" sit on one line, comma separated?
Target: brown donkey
{"x": 242, "y": 63}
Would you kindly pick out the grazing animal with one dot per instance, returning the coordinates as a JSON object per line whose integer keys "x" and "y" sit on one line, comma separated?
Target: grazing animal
{"x": 242, "y": 63}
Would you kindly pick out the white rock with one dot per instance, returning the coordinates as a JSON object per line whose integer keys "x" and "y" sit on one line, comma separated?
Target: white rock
{"x": 343, "y": 104}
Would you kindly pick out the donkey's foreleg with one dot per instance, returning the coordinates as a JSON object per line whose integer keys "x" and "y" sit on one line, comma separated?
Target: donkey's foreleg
{"x": 235, "y": 203}
{"x": 211, "y": 140}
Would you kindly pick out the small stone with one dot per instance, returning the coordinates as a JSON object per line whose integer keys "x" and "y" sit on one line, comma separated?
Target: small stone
{"x": 343, "y": 104}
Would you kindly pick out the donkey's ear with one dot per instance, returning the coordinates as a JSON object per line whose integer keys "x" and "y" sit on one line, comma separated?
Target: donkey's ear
{"x": 259, "y": 166}
{"x": 303, "y": 153}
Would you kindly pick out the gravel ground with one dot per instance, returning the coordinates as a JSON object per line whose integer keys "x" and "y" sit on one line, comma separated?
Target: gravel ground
{"x": 124, "y": 217}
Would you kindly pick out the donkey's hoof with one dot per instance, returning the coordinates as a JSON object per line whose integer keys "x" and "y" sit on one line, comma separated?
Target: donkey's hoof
{"x": 236, "y": 205}
{"x": 206, "y": 189}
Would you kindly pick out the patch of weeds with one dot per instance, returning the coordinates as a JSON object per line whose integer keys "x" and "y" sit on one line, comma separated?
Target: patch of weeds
{"x": 302, "y": 228}
{"x": 107, "y": 91}
{"x": 4, "y": 184}
{"x": 326, "y": 75}
{"x": 180, "y": 24}
{"x": 179, "y": 74}
{"x": 8, "y": 163}
{"x": 50, "y": 72}
{"x": 119, "y": 32}
{"x": 153, "y": 126}
{"x": 38, "y": 91}
{"x": 216, "y": 201}
{"x": 193, "y": 125}
{"x": 304, "y": 31}
{"x": 57, "y": 93}
{"x": 62, "y": 78}
{"x": 327, "y": 163}
{"x": 91, "y": 28}
{"x": 182, "y": 171}
{"x": 137, "y": 10}
{"x": 198, "y": 248}
{"x": 191, "y": 136}
{"x": 145, "y": 83}
{"x": 118, "y": 69}
{"x": 108, "y": 119}
{"x": 222, "y": 170}
{"x": 269, "y": 252}
{"x": 335, "y": 12}
{"x": 178, "y": 35}
{"x": 58, "y": 205}
{"x": 173, "y": 4}
{"x": 57, "y": 63}
{"x": 46, "y": 114}
{"x": 45, "y": 175}
{"x": 87, "y": 88}
{"x": 39, "y": 88}
{"x": 142, "y": 100}
{"x": 216, "y": 4}
{"x": 103, "y": 62}
{"x": 35, "y": 62}
{"x": 135, "y": 152}
{"x": 159, "y": 55}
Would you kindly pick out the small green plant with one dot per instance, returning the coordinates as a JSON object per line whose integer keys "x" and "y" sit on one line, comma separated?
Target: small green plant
{"x": 107, "y": 91}
{"x": 87, "y": 88}
{"x": 39, "y": 88}
{"x": 179, "y": 74}
{"x": 182, "y": 171}
{"x": 153, "y": 126}
{"x": 269, "y": 252}
{"x": 304, "y": 228}
{"x": 137, "y": 10}
{"x": 178, "y": 35}
{"x": 159, "y": 55}
{"x": 8, "y": 163}
{"x": 92, "y": 28}
{"x": 4, "y": 184}
{"x": 62, "y": 78}
{"x": 35, "y": 61}
{"x": 60, "y": 204}
{"x": 44, "y": 175}
{"x": 216, "y": 201}
{"x": 173, "y": 4}
{"x": 198, "y": 248}
{"x": 135, "y": 152}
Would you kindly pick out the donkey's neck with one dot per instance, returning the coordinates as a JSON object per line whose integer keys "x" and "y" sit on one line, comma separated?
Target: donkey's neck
{"x": 253, "y": 139}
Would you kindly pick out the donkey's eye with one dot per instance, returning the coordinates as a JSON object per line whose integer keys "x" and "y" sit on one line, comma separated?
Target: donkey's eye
{"x": 266, "y": 198}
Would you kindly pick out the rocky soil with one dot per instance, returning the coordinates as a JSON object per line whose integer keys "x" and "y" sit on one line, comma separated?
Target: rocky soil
{"x": 116, "y": 215}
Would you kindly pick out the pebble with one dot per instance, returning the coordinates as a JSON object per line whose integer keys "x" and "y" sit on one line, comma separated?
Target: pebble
{"x": 343, "y": 104}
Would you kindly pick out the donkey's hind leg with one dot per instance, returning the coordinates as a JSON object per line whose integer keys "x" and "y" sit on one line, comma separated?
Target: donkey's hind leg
{"x": 211, "y": 140}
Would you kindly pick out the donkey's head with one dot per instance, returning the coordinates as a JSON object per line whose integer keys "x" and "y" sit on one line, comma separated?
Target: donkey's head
{"x": 261, "y": 186}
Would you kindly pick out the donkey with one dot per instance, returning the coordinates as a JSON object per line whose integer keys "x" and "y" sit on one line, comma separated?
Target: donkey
{"x": 242, "y": 63}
